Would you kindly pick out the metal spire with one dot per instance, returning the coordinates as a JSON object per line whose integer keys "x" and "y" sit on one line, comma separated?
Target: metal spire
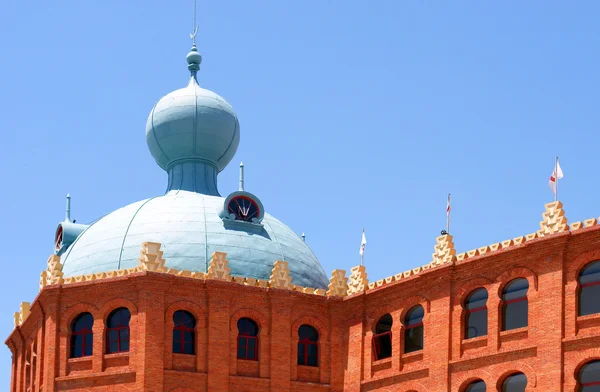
{"x": 68, "y": 212}
{"x": 241, "y": 176}
{"x": 194, "y": 27}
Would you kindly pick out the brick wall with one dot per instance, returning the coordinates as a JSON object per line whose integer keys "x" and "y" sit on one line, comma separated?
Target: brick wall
{"x": 549, "y": 351}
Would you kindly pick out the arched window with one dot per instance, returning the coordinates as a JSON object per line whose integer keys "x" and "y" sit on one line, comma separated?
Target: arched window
{"x": 247, "y": 339}
{"x": 183, "y": 332}
{"x": 476, "y": 319}
{"x": 589, "y": 377}
{"x": 382, "y": 340}
{"x": 413, "y": 329}
{"x": 514, "y": 304}
{"x": 589, "y": 289}
{"x": 82, "y": 336}
{"x": 515, "y": 383}
{"x": 476, "y": 386}
{"x": 308, "y": 348}
{"x": 117, "y": 331}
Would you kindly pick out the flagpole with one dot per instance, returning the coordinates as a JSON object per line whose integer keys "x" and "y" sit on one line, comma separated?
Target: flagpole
{"x": 448, "y": 210}
{"x": 362, "y": 254}
{"x": 556, "y": 177}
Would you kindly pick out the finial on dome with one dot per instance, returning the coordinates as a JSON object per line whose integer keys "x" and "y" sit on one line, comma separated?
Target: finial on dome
{"x": 193, "y": 58}
{"x": 303, "y": 237}
{"x": 68, "y": 211}
{"x": 241, "y": 177}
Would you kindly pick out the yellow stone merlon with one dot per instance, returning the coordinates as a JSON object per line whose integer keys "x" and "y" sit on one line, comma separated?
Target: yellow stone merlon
{"x": 24, "y": 311}
{"x": 54, "y": 274}
{"x": 590, "y": 222}
{"x": 280, "y": 276}
{"x": 443, "y": 251}
{"x": 151, "y": 257}
{"x": 338, "y": 284}
{"x": 219, "y": 267}
{"x": 358, "y": 280}
{"x": 576, "y": 226}
{"x": 553, "y": 220}
{"x": 17, "y": 319}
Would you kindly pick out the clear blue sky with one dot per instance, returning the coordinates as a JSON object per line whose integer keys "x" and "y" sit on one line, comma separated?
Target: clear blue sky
{"x": 353, "y": 114}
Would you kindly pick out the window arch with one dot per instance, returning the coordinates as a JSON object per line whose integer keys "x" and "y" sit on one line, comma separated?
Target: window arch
{"x": 382, "y": 340}
{"x": 476, "y": 318}
{"x": 413, "y": 329}
{"x": 476, "y": 386}
{"x": 589, "y": 289}
{"x": 308, "y": 346}
{"x": 589, "y": 377}
{"x": 117, "y": 332}
{"x": 184, "y": 330}
{"x": 247, "y": 341}
{"x": 515, "y": 304}
{"x": 516, "y": 382}
{"x": 82, "y": 337}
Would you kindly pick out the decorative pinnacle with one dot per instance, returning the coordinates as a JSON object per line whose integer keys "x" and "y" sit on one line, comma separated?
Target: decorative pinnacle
{"x": 303, "y": 237}
{"x": 193, "y": 58}
{"x": 241, "y": 176}
{"x": 68, "y": 212}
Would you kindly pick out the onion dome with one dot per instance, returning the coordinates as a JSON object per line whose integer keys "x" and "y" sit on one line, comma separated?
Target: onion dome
{"x": 196, "y": 127}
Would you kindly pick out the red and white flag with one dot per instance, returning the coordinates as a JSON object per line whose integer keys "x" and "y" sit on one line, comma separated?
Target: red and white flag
{"x": 363, "y": 243}
{"x": 448, "y": 206}
{"x": 557, "y": 174}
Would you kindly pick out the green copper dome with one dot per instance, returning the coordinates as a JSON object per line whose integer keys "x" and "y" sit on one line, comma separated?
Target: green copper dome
{"x": 193, "y": 124}
{"x": 192, "y": 134}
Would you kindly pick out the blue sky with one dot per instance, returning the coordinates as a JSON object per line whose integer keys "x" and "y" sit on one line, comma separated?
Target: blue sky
{"x": 353, "y": 114}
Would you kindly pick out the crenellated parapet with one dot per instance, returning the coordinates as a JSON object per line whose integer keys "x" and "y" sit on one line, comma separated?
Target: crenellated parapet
{"x": 338, "y": 284}
{"x": 151, "y": 260}
{"x": 280, "y": 276}
{"x": 218, "y": 267}
{"x": 553, "y": 220}
{"x": 21, "y": 315}
{"x": 358, "y": 280}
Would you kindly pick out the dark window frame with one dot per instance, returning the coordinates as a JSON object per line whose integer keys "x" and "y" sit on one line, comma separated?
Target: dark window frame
{"x": 305, "y": 343}
{"x": 504, "y": 304}
{"x": 119, "y": 328}
{"x": 83, "y": 333}
{"x": 408, "y": 327}
{"x": 469, "y": 312}
{"x": 246, "y": 337}
{"x": 182, "y": 329}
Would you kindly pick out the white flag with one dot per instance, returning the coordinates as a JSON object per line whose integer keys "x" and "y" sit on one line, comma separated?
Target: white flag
{"x": 557, "y": 174}
{"x": 363, "y": 243}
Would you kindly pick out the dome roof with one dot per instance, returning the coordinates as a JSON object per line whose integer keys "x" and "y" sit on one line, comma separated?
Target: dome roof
{"x": 193, "y": 134}
{"x": 188, "y": 226}
{"x": 193, "y": 124}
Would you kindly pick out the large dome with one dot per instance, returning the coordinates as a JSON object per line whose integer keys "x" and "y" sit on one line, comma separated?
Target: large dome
{"x": 188, "y": 226}
{"x": 193, "y": 134}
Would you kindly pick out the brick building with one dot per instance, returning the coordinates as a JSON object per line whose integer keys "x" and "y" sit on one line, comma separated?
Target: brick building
{"x": 190, "y": 291}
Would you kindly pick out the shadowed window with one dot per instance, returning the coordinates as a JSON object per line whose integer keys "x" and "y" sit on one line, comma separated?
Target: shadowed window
{"x": 589, "y": 377}
{"x": 81, "y": 335}
{"x": 589, "y": 289}
{"x": 308, "y": 347}
{"x": 515, "y": 304}
{"x": 476, "y": 318}
{"x": 515, "y": 383}
{"x": 382, "y": 340}
{"x": 247, "y": 347}
{"x": 117, "y": 332}
{"x": 476, "y": 386}
{"x": 413, "y": 331}
{"x": 183, "y": 332}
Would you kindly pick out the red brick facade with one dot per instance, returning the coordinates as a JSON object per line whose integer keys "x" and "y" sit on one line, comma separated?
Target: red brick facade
{"x": 549, "y": 351}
